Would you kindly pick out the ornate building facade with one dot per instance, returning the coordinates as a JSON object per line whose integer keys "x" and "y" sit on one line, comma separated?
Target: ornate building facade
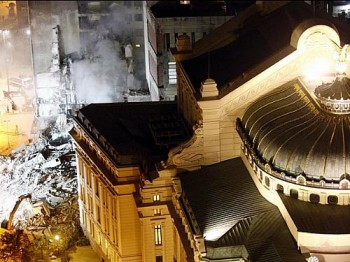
{"x": 249, "y": 164}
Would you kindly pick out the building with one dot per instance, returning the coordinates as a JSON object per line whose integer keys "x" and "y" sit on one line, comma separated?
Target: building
{"x": 262, "y": 176}
{"x": 164, "y": 22}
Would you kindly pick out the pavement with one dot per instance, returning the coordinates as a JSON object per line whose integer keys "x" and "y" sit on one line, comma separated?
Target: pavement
{"x": 83, "y": 254}
{"x": 74, "y": 254}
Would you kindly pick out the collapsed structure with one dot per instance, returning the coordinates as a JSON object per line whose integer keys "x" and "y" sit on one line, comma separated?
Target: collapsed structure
{"x": 262, "y": 175}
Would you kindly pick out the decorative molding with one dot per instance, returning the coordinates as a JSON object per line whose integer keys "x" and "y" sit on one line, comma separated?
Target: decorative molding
{"x": 188, "y": 155}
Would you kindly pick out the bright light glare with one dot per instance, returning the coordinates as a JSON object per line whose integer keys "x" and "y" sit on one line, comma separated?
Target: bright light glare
{"x": 316, "y": 69}
{"x": 28, "y": 31}
{"x": 57, "y": 237}
{"x": 214, "y": 233}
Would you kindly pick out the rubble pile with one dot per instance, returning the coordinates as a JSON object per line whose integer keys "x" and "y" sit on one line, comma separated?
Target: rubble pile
{"x": 45, "y": 169}
{"x": 38, "y": 187}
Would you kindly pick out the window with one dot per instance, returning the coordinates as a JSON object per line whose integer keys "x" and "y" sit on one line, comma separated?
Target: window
{"x": 159, "y": 259}
{"x": 333, "y": 200}
{"x": 280, "y": 188}
{"x": 127, "y": 3}
{"x": 267, "y": 181}
{"x": 98, "y": 213}
{"x": 314, "y": 198}
{"x": 97, "y": 188}
{"x": 83, "y": 22}
{"x": 158, "y": 235}
{"x": 175, "y": 35}
{"x": 156, "y": 198}
{"x": 167, "y": 40}
{"x": 172, "y": 73}
{"x": 193, "y": 37}
{"x": 157, "y": 211}
{"x": 294, "y": 193}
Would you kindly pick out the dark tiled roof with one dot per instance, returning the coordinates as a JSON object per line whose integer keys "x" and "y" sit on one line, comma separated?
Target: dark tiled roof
{"x": 295, "y": 136}
{"x": 164, "y": 9}
{"x": 224, "y": 195}
{"x": 135, "y": 131}
{"x": 317, "y": 218}
{"x": 262, "y": 41}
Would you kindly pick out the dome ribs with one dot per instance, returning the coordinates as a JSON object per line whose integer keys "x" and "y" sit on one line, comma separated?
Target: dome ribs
{"x": 291, "y": 131}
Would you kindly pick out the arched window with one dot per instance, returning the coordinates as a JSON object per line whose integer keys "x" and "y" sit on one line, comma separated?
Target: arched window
{"x": 332, "y": 200}
{"x": 314, "y": 198}
{"x": 267, "y": 181}
{"x": 294, "y": 193}
{"x": 280, "y": 188}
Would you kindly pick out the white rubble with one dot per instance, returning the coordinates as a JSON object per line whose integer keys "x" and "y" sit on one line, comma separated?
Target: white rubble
{"x": 45, "y": 169}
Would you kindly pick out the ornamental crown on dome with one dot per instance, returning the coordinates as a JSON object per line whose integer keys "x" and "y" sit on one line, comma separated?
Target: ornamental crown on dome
{"x": 335, "y": 97}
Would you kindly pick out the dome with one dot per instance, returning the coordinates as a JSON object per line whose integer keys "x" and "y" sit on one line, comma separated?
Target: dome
{"x": 293, "y": 133}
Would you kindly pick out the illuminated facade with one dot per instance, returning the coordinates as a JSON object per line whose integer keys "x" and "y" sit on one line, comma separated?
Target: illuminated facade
{"x": 262, "y": 176}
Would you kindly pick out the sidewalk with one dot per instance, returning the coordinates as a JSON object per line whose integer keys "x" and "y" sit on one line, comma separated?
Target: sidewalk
{"x": 82, "y": 254}
{"x": 74, "y": 254}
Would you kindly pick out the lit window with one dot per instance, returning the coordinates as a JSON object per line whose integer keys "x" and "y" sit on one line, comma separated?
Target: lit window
{"x": 158, "y": 234}
{"x": 157, "y": 211}
{"x": 156, "y": 197}
{"x": 172, "y": 73}
{"x": 138, "y": 45}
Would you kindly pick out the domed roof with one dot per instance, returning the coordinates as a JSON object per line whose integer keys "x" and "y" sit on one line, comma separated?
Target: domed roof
{"x": 289, "y": 130}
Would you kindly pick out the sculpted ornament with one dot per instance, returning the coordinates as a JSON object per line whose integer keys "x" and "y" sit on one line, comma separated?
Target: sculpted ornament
{"x": 189, "y": 154}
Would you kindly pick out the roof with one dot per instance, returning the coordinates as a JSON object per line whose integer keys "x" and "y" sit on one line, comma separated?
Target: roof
{"x": 133, "y": 132}
{"x": 304, "y": 213}
{"x": 223, "y": 199}
{"x": 261, "y": 41}
{"x": 292, "y": 133}
{"x": 164, "y": 9}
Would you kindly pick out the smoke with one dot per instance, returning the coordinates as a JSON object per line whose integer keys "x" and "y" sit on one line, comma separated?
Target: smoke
{"x": 103, "y": 77}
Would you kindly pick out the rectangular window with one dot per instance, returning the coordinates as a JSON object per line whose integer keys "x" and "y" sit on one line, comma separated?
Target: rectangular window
{"x": 175, "y": 35}
{"x": 159, "y": 259}
{"x": 157, "y": 211}
{"x": 172, "y": 73}
{"x": 97, "y": 188}
{"x": 98, "y": 213}
{"x": 167, "y": 40}
{"x": 158, "y": 235}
